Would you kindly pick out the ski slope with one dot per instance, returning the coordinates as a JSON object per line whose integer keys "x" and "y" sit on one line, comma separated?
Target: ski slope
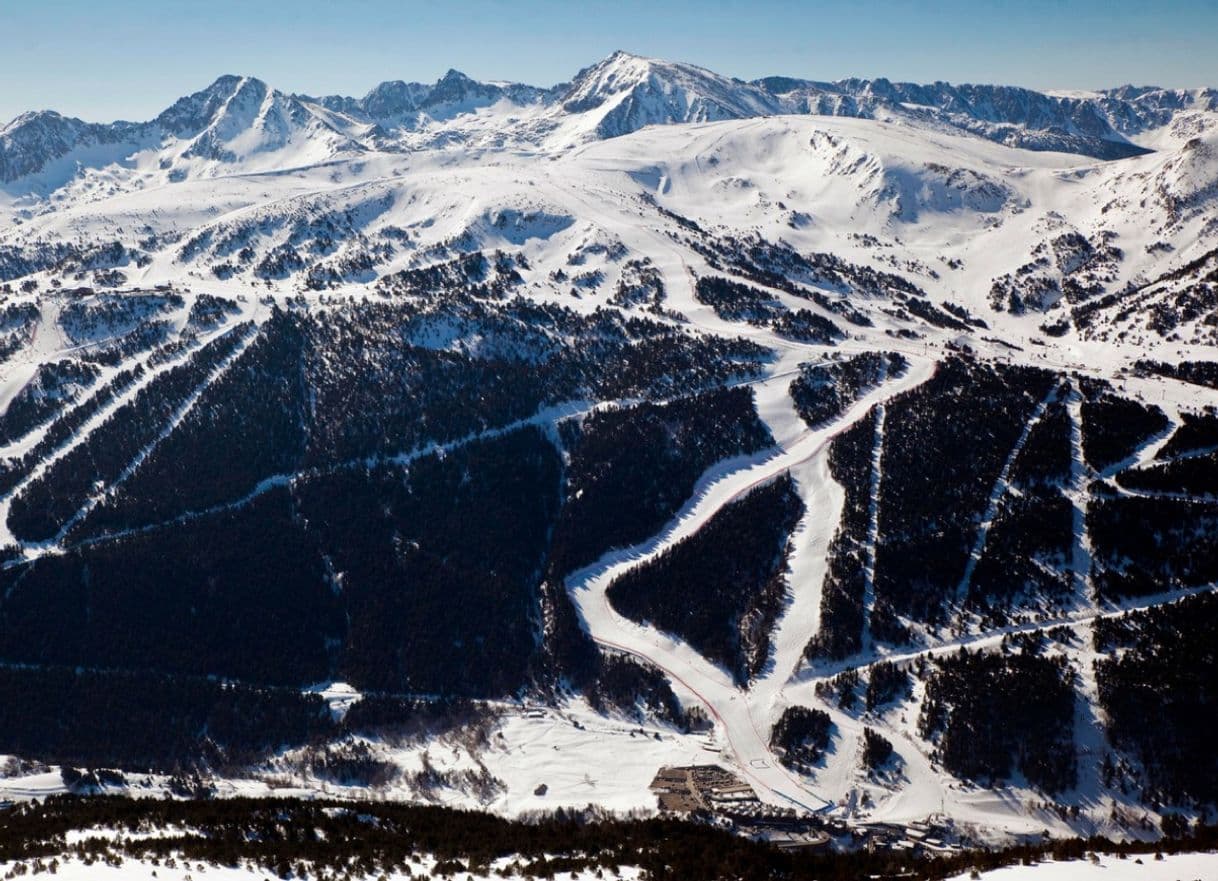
{"x": 745, "y": 738}
{"x": 665, "y": 169}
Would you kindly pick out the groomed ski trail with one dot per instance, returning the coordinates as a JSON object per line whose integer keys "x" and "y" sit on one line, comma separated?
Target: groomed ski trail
{"x": 731, "y": 707}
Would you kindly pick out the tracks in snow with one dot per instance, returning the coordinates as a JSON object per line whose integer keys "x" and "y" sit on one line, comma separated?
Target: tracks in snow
{"x": 544, "y": 418}
{"x": 1077, "y": 619}
{"x": 731, "y": 706}
{"x": 94, "y": 422}
{"x": 174, "y": 421}
{"x": 1079, "y": 494}
{"x": 744, "y": 715}
{"x": 808, "y": 565}
{"x": 873, "y": 523}
{"x": 1001, "y": 487}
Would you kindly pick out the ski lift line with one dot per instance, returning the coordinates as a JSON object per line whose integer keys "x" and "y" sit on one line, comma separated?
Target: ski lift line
{"x": 823, "y": 809}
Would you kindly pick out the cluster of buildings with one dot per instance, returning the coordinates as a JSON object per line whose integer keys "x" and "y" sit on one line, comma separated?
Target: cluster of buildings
{"x": 927, "y": 836}
{"x": 718, "y": 795}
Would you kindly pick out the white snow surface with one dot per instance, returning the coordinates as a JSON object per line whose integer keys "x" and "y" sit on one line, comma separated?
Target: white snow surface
{"x": 1141, "y": 867}
{"x": 1200, "y": 866}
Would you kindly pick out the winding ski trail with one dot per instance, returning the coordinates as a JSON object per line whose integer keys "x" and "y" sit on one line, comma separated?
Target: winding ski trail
{"x": 734, "y": 709}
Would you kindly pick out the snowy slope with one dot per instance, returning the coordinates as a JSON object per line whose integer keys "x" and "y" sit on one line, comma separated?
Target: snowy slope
{"x": 963, "y": 219}
{"x": 916, "y": 220}
{"x": 1144, "y": 868}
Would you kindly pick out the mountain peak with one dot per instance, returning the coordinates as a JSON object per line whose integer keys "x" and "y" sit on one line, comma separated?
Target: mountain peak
{"x": 32, "y": 117}
{"x": 193, "y": 113}
{"x": 455, "y": 88}
{"x": 391, "y": 99}
{"x": 635, "y": 91}
{"x": 226, "y": 81}
{"x": 593, "y": 85}
{"x": 619, "y": 55}
{"x": 32, "y": 139}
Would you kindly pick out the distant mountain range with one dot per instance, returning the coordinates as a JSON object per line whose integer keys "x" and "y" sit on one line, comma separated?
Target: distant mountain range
{"x": 236, "y": 116}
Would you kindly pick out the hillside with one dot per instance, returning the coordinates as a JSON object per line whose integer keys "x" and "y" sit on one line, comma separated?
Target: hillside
{"x": 497, "y": 445}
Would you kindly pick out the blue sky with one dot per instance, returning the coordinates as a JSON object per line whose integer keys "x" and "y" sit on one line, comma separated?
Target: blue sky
{"x": 107, "y": 59}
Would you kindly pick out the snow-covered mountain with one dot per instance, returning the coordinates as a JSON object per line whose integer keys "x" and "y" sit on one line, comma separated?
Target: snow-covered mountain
{"x": 33, "y": 141}
{"x": 624, "y": 93}
{"x": 397, "y": 104}
{"x": 805, "y": 427}
{"x": 237, "y": 117}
